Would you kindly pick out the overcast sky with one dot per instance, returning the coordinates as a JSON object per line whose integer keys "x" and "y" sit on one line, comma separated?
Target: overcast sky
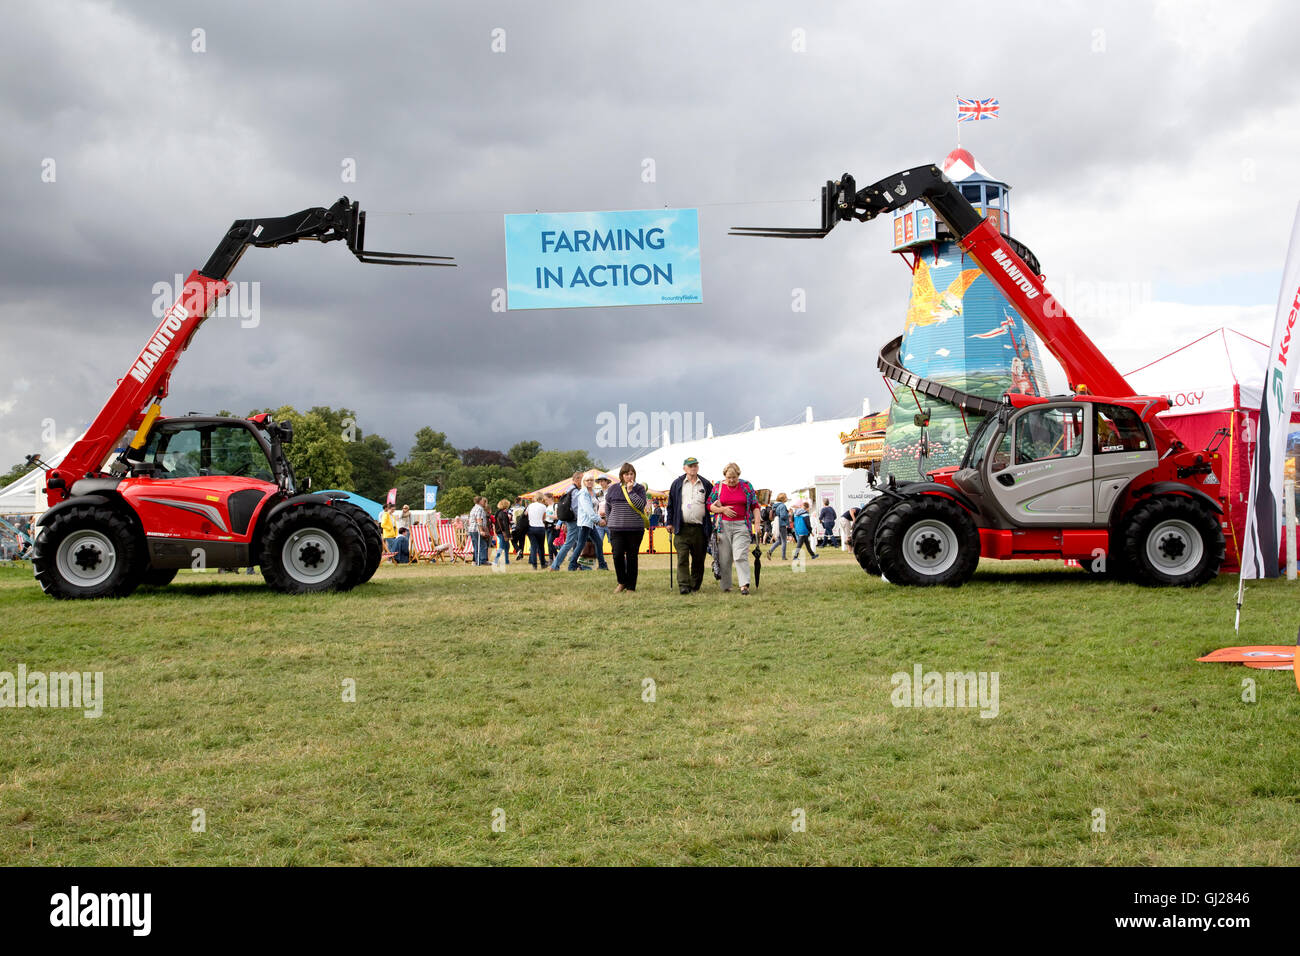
{"x": 1151, "y": 149}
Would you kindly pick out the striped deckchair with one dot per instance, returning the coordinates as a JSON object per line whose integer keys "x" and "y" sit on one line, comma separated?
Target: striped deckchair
{"x": 466, "y": 550}
{"x": 446, "y": 540}
{"x": 421, "y": 549}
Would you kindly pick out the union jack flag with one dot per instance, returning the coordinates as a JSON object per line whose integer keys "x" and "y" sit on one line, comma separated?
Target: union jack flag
{"x": 972, "y": 111}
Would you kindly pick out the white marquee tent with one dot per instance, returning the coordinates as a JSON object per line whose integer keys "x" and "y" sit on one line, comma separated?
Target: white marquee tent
{"x": 789, "y": 458}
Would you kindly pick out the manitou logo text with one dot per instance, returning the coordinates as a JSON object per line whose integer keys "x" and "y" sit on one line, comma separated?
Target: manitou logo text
{"x": 171, "y": 324}
{"x": 1016, "y": 275}
{"x": 134, "y": 910}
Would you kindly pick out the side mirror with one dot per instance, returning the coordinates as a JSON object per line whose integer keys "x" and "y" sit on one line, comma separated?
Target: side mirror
{"x": 286, "y": 432}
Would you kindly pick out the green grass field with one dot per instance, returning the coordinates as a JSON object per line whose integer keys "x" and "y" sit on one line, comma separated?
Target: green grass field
{"x": 523, "y": 693}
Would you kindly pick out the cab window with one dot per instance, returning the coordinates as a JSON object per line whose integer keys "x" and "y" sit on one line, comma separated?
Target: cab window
{"x": 1002, "y": 457}
{"x": 1045, "y": 433}
{"x": 1118, "y": 429}
{"x": 206, "y": 450}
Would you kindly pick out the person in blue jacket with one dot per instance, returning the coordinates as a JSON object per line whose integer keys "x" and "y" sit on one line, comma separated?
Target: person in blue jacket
{"x": 803, "y": 530}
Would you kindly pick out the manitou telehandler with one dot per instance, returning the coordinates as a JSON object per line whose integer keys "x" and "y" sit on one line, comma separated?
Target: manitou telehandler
{"x": 200, "y": 491}
{"x": 1092, "y": 476}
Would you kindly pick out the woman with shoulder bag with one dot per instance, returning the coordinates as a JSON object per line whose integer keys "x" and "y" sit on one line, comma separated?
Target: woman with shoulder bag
{"x": 625, "y": 516}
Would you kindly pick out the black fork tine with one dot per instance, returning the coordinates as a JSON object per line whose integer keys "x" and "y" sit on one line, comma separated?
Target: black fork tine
{"x": 777, "y": 232}
{"x": 402, "y": 259}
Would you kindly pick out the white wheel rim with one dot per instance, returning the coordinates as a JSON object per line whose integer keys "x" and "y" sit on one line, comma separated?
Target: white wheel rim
{"x": 310, "y": 556}
{"x": 930, "y": 547}
{"x": 1174, "y": 547}
{"x": 86, "y": 558}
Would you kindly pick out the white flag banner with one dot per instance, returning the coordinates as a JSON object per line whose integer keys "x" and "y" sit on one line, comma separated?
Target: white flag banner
{"x": 1260, "y": 547}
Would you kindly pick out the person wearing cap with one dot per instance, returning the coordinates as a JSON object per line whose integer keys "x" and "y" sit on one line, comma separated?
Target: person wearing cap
{"x": 688, "y": 517}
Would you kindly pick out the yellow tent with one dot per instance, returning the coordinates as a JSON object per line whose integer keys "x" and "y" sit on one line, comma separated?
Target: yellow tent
{"x": 565, "y": 484}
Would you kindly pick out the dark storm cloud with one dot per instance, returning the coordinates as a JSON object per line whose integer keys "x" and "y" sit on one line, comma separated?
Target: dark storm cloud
{"x": 159, "y": 148}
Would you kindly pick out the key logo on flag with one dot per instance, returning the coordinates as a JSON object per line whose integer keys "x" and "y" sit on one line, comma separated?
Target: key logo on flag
{"x": 972, "y": 111}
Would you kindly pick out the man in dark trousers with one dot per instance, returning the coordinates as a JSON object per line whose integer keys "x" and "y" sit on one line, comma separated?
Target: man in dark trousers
{"x": 688, "y": 516}
{"x": 827, "y": 518}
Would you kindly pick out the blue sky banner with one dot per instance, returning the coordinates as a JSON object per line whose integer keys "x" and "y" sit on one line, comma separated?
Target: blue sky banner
{"x": 430, "y": 497}
{"x": 589, "y": 259}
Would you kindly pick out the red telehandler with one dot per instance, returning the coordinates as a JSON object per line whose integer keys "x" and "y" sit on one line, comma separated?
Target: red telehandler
{"x": 1092, "y": 475}
{"x": 202, "y": 491}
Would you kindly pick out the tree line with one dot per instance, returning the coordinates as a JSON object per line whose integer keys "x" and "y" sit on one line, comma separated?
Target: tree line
{"x": 331, "y": 449}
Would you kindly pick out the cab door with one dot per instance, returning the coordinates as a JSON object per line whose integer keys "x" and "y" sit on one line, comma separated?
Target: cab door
{"x": 1041, "y": 474}
{"x": 1122, "y": 450}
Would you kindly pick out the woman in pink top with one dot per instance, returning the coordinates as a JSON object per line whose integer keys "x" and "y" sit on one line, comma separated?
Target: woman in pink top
{"x": 735, "y": 505}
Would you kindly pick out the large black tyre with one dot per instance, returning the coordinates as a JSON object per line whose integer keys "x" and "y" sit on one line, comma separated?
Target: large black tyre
{"x": 91, "y": 551}
{"x": 927, "y": 540}
{"x": 158, "y": 577}
{"x": 311, "y": 548}
{"x": 863, "y": 536}
{"x": 370, "y": 534}
{"x": 1172, "y": 542}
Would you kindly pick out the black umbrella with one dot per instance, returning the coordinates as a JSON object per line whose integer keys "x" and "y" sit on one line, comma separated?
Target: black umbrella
{"x": 758, "y": 563}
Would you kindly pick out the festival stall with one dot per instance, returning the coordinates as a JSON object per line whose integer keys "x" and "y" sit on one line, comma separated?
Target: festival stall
{"x": 1215, "y": 382}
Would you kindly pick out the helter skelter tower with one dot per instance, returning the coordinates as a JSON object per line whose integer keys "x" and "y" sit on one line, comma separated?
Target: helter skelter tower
{"x": 961, "y": 336}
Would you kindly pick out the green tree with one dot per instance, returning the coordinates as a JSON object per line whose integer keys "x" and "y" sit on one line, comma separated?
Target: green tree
{"x": 549, "y": 467}
{"x": 430, "y": 458}
{"x": 521, "y": 453}
{"x": 499, "y": 488}
{"x": 14, "y": 473}
{"x": 317, "y": 451}
{"x": 455, "y": 501}
{"x": 372, "y": 466}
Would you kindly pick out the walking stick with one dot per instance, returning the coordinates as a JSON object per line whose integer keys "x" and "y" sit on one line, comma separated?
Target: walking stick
{"x": 670, "y": 557}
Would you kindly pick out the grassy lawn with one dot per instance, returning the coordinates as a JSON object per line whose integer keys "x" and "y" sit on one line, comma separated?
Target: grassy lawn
{"x": 477, "y": 691}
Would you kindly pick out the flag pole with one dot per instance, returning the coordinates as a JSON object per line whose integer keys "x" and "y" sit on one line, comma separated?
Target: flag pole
{"x": 958, "y": 99}
{"x": 1241, "y": 590}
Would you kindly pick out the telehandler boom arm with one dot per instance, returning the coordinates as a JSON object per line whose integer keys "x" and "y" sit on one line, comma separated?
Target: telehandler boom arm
{"x": 146, "y": 383}
{"x": 1084, "y": 364}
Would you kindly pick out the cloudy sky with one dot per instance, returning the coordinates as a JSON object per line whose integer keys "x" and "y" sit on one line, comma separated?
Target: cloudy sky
{"x": 1152, "y": 150}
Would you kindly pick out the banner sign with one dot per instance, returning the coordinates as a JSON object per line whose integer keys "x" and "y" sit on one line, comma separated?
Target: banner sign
{"x": 430, "y": 497}
{"x": 1260, "y": 550}
{"x": 587, "y": 259}
{"x": 392, "y": 496}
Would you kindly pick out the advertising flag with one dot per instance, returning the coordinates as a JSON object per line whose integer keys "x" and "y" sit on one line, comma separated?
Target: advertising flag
{"x": 1260, "y": 549}
{"x": 430, "y": 497}
{"x": 392, "y": 496}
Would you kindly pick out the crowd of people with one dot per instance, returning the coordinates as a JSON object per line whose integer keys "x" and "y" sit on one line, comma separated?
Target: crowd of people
{"x": 719, "y": 523}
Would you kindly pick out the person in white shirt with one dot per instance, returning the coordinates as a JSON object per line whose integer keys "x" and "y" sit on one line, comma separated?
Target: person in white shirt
{"x": 688, "y": 517}
{"x": 537, "y": 534}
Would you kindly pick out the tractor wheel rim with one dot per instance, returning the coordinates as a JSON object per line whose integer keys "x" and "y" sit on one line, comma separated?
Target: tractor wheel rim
{"x": 930, "y": 547}
{"x": 1174, "y": 547}
{"x": 310, "y": 555}
{"x": 86, "y": 558}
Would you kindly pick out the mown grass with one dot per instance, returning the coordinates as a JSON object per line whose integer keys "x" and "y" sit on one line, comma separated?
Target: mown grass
{"x": 478, "y": 691}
